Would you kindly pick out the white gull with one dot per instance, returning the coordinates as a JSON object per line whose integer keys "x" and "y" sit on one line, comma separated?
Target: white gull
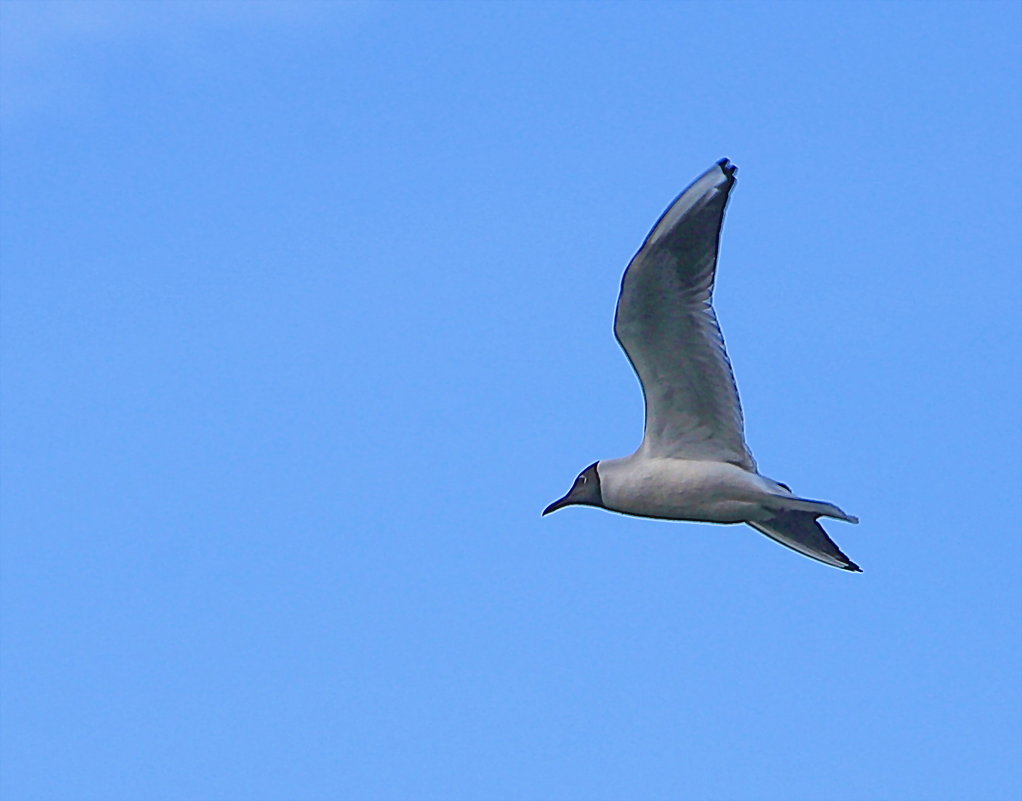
{"x": 693, "y": 463}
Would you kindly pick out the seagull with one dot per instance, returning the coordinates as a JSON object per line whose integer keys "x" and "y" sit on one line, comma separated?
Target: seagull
{"x": 693, "y": 463}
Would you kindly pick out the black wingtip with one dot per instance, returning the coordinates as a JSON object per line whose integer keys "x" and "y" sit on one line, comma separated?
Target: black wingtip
{"x": 849, "y": 565}
{"x": 727, "y": 167}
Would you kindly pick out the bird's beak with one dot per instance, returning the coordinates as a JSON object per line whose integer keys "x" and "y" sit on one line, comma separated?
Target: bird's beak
{"x": 558, "y": 504}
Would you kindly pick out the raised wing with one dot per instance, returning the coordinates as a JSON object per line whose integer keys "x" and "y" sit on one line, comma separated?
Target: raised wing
{"x": 666, "y": 325}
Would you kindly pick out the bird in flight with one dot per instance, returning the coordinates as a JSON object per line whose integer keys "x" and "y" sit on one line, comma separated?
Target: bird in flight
{"x": 693, "y": 463}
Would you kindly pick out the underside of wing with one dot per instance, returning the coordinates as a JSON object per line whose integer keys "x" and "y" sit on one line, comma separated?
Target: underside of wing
{"x": 801, "y": 532}
{"x": 666, "y": 324}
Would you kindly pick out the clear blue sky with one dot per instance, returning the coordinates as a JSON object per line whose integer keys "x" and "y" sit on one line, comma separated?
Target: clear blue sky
{"x": 307, "y": 315}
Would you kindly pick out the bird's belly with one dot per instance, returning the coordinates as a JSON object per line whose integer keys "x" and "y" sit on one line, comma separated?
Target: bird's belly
{"x": 677, "y": 489}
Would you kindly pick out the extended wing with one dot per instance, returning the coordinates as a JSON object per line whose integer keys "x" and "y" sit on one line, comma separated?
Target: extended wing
{"x": 666, "y": 325}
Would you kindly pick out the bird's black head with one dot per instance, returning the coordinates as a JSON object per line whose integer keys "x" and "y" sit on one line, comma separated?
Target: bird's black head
{"x": 584, "y": 492}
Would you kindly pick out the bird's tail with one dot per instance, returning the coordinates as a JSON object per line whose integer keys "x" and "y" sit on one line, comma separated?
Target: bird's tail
{"x": 784, "y": 500}
{"x": 799, "y": 531}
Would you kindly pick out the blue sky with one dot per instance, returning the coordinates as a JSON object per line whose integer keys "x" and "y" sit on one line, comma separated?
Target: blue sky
{"x": 307, "y": 315}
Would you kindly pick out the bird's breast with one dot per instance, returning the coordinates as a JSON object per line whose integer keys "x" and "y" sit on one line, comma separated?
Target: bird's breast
{"x": 681, "y": 489}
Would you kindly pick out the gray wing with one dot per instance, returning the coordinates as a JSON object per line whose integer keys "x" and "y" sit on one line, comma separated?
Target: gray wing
{"x": 801, "y": 532}
{"x": 666, "y": 325}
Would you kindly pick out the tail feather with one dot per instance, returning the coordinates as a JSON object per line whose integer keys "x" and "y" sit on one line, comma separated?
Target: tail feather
{"x": 799, "y": 531}
{"x": 789, "y": 503}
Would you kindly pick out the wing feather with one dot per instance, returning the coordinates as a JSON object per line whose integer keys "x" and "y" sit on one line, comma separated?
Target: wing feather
{"x": 667, "y": 327}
